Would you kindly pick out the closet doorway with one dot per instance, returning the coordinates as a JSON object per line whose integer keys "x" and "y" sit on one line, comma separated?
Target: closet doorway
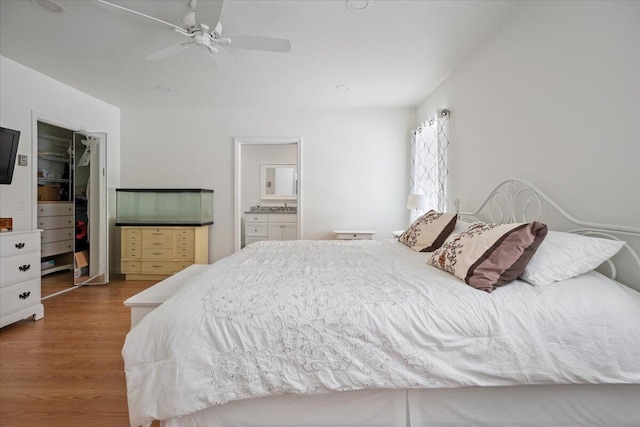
{"x": 71, "y": 206}
{"x": 268, "y": 190}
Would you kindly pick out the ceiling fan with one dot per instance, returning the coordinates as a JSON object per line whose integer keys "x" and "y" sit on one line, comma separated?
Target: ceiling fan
{"x": 200, "y": 34}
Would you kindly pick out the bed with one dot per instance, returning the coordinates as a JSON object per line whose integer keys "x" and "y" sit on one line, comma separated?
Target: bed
{"x": 365, "y": 333}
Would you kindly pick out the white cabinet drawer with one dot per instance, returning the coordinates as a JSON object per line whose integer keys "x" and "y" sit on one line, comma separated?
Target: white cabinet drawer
{"x": 256, "y": 217}
{"x": 257, "y": 229}
{"x": 55, "y": 209}
{"x": 20, "y": 295}
{"x": 55, "y": 248}
{"x": 283, "y": 218}
{"x": 20, "y": 243}
{"x": 50, "y": 222}
{"x": 55, "y": 235}
{"x": 19, "y": 267}
{"x": 354, "y": 234}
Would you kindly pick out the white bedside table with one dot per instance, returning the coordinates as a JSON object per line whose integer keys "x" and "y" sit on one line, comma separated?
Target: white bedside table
{"x": 354, "y": 234}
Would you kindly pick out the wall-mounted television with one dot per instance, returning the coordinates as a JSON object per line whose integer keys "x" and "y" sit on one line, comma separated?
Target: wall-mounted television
{"x": 8, "y": 150}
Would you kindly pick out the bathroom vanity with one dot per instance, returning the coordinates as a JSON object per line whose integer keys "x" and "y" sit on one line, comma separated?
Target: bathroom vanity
{"x": 276, "y": 224}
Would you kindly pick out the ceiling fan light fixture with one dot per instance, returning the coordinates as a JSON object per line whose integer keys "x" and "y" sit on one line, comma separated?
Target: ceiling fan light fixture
{"x": 48, "y": 5}
{"x": 342, "y": 88}
{"x": 357, "y": 5}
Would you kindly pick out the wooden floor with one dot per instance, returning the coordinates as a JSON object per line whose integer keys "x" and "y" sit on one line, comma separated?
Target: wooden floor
{"x": 66, "y": 369}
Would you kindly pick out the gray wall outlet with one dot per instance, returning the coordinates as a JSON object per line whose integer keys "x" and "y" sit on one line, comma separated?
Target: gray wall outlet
{"x": 23, "y": 160}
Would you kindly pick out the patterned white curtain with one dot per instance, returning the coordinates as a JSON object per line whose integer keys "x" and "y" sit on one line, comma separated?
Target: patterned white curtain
{"x": 429, "y": 161}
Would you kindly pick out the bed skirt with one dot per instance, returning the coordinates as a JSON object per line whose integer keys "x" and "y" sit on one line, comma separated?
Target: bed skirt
{"x": 543, "y": 405}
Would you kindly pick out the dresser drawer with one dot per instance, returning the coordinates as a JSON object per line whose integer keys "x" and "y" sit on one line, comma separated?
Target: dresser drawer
{"x": 20, "y": 295}
{"x": 128, "y": 267}
{"x": 158, "y": 234}
{"x": 255, "y": 229}
{"x": 57, "y": 234}
{"x": 155, "y": 244}
{"x": 157, "y": 253}
{"x": 19, "y": 243}
{"x": 131, "y": 234}
{"x": 181, "y": 265}
{"x": 185, "y": 254}
{"x": 131, "y": 252}
{"x": 55, "y": 209}
{"x": 19, "y": 267}
{"x": 185, "y": 235}
{"x": 49, "y": 222}
{"x": 256, "y": 217}
{"x": 55, "y": 248}
{"x": 160, "y": 267}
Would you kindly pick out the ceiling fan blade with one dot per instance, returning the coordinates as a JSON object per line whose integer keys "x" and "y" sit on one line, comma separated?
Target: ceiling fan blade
{"x": 118, "y": 8}
{"x": 259, "y": 43}
{"x": 208, "y": 11}
{"x": 168, "y": 51}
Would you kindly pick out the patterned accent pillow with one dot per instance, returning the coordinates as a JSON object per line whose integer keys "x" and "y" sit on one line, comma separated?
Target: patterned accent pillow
{"x": 429, "y": 232}
{"x": 489, "y": 255}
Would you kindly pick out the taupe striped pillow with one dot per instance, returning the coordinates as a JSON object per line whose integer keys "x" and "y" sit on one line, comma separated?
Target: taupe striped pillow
{"x": 489, "y": 255}
{"x": 428, "y": 232}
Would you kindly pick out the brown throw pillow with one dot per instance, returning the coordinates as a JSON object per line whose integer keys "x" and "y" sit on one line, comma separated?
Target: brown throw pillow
{"x": 428, "y": 232}
{"x": 489, "y": 255}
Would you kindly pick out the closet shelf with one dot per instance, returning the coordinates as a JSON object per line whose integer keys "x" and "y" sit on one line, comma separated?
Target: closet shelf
{"x": 56, "y": 268}
{"x": 54, "y": 180}
{"x": 54, "y": 138}
{"x": 54, "y": 158}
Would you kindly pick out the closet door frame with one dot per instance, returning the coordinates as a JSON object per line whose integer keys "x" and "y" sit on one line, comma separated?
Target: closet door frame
{"x": 36, "y": 117}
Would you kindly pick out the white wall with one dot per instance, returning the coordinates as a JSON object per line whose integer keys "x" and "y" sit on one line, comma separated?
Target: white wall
{"x": 25, "y": 91}
{"x": 553, "y": 98}
{"x": 355, "y": 162}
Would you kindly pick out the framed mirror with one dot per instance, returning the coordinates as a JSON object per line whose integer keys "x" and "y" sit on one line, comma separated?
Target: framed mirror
{"x": 279, "y": 182}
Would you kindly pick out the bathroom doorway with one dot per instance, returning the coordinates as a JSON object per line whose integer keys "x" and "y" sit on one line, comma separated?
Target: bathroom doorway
{"x": 268, "y": 190}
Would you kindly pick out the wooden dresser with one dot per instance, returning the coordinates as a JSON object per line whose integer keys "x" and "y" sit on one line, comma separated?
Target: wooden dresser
{"x": 20, "y": 276}
{"x": 157, "y": 252}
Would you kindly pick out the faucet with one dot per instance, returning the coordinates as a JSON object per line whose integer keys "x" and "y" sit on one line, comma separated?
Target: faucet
{"x": 286, "y": 208}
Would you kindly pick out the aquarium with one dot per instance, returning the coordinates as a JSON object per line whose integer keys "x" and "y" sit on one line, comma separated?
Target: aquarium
{"x": 164, "y": 206}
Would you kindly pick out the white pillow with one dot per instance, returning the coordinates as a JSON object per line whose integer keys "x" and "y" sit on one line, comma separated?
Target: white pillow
{"x": 562, "y": 256}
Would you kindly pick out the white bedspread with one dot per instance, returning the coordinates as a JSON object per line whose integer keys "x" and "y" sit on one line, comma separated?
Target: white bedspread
{"x": 319, "y": 316}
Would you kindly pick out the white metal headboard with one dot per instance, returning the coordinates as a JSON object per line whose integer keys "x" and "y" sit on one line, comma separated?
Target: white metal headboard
{"x": 516, "y": 200}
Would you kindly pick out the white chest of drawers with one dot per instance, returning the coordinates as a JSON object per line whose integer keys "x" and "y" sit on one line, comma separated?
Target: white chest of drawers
{"x": 20, "y": 276}
{"x": 56, "y": 219}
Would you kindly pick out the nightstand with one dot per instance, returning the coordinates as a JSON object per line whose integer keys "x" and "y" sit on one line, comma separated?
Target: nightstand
{"x": 354, "y": 234}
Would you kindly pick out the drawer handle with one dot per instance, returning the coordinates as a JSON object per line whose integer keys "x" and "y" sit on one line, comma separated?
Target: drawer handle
{"x": 20, "y": 245}
{"x": 157, "y": 253}
{"x": 24, "y": 295}
{"x": 157, "y": 244}
{"x": 157, "y": 266}
{"x": 158, "y": 234}
{"x": 25, "y": 267}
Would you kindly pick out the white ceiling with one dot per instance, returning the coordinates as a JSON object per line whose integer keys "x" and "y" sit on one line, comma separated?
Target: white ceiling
{"x": 390, "y": 55}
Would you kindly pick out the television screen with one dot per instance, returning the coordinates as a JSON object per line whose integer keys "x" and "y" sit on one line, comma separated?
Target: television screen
{"x": 8, "y": 151}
